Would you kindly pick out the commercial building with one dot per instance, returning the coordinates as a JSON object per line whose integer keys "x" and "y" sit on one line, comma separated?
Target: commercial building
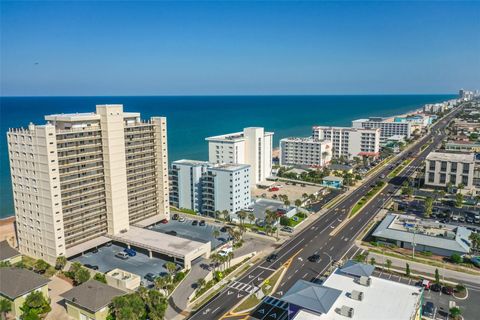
{"x": 309, "y": 152}
{"x": 208, "y": 187}
{"x": 387, "y": 127}
{"x": 351, "y": 292}
{"x": 443, "y": 168}
{"x": 407, "y": 231}
{"x": 417, "y": 120}
{"x": 17, "y": 283}
{"x": 85, "y": 175}
{"x": 350, "y": 142}
{"x": 90, "y": 300}
{"x": 253, "y": 146}
{"x": 462, "y": 146}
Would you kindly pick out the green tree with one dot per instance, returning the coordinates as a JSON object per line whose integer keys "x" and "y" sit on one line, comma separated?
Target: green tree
{"x": 60, "y": 263}
{"x": 251, "y": 217}
{"x": 360, "y": 258}
{"x": 298, "y": 202}
{"x": 5, "y": 307}
{"x": 455, "y": 312}
{"x": 242, "y": 215}
{"x": 372, "y": 261}
{"x": 475, "y": 241}
{"x": 100, "y": 277}
{"x": 388, "y": 264}
{"x": 35, "y": 304}
{"x": 200, "y": 283}
{"x": 407, "y": 270}
{"x": 428, "y": 207}
{"x": 171, "y": 267}
{"x": 41, "y": 266}
{"x": 128, "y": 307}
{"x": 216, "y": 233}
{"x": 437, "y": 276}
{"x": 285, "y": 221}
{"x": 456, "y": 258}
{"x": 156, "y": 305}
{"x": 82, "y": 275}
{"x": 459, "y": 200}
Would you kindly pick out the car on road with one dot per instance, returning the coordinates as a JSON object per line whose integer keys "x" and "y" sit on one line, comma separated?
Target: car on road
{"x": 91, "y": 266}
{"x": 182, "y": 219}
{"x": 122, "y": 255}
{"x": 150, "y": 277}
{"x": 202, "y": 223}
{"x": 314, "y": 258}
{"x": 131, "y": 252}
{"x": 175, "y": 216}
{"x": 272, "y": 257}
{"x": 194, "y": 222}
{"x": 429, "y": 310}
{"x": 447, "y": 290}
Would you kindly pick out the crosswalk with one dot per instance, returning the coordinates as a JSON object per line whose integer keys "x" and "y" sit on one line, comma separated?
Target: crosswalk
{"x": 242, "y": 286}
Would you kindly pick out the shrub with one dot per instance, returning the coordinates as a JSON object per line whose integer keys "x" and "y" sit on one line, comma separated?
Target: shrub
{"x": 456, "y": 258}
{"x": 100, "y": 277}
{"x": 285, "y": 221}
{"x": 374, "y": 243}
{"x": 179, "y": 277}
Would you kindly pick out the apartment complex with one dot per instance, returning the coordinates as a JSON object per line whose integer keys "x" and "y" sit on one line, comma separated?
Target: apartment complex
{"x": 442, "y": 168}
{"x": 387, "y": 127}
{"x": 305, "y": 152}
{"x": 208, "y": 187}
{"x": 84, "y": 175}
{"x": 253, "y": 146}
{"x": 350, "y": 142}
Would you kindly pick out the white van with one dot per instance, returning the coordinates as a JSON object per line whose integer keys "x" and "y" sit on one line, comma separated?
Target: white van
{"x": 225, "y": 251}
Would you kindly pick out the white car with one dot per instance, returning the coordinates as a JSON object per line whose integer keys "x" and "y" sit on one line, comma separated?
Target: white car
{"x": 182, "y": 219}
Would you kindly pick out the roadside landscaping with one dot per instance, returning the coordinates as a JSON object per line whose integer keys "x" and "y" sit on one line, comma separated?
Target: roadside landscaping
{"x": 398, "y": 169}
{"x": 370, "y": 194}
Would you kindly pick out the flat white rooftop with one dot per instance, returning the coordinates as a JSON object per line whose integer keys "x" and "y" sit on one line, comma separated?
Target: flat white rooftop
{"x": 160, "y": 242}
{"x": 383, "y": 299}
{"x": 450, "y": 156}
{"x": 72, "y": 117}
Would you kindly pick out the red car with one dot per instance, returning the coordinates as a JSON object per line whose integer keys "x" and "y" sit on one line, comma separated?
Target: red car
{"x": 164, "y": 221}
{"x": 273, "y": 189}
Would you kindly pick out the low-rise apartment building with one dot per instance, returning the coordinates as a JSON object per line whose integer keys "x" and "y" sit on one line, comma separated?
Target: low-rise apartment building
{"x": 84, "y": 175}
{"x": 252, "y": 146}
{"x": 350, "y": 142}
{"x": 209, "y": 187}
{"x": 387, "y": 127}
{"x": 309, "y": 152}
{"x": 444, "y": 168}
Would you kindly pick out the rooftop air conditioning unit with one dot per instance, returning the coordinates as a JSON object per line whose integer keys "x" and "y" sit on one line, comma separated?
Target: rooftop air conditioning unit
{"x": 365, "y": 281}
{"x": 346, "y": 311}
{"x": 357, "y": 295}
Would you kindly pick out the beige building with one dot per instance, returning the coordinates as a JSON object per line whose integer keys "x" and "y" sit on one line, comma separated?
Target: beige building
{"x": 85, "y": 175}
{"x": 309, "y": 152}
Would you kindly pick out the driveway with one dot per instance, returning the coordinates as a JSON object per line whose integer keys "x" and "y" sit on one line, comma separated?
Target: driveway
{"x": 56, "y": 287}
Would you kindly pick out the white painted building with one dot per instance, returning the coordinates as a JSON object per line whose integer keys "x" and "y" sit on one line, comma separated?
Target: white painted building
{"x": 305, "y": 152}
{"x": 350, "y": 142}
{"x": 85, "y": 175}
{"x": 387, "y": 127}
{"x": 208, "y": 187}
{"x": 253, "y": 146}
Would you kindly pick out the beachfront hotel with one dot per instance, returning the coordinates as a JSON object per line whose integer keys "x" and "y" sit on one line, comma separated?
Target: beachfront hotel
{"x": 84, "y": 175}
{"x": 209, "y": 187}
{"x": 252, "y": 146}
{"x": 308, "y": 152}
{"x": 350, "y": 142}
{"x": 387, "y": 127}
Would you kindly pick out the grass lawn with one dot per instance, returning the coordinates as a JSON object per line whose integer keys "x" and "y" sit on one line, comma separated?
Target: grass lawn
{"x": 248, "y": 303}
{"x": 294, "y": 223}
{"x": 397, "y": 170}
{"x": 365, "y": 198}
{"x": 272, "y": 281}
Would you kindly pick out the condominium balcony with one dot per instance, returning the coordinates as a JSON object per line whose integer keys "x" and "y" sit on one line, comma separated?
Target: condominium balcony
{"x": 97, "y": 138}
{"x": 66, "y": 164}
{"x": 72, "y": 187}
{"x": 90, "y": 224}
{"x": 69, "y": 195}
{"x": 70, "y": 178}
{"x": 78, "y": 147}
{"x": 93, "y": 152}
{"x": 80, "y": 170}
{"x": 83, "y": 217}
{"x": 83, "y": 209}
{"x": 81, "y": 203}
{"x": 139, "y": 171}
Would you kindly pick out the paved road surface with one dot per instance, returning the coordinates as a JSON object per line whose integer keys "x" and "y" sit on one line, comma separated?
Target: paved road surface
{"x": 317, "y": 239}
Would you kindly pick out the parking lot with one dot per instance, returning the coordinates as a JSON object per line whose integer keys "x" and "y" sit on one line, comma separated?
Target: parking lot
{"x": 188, "y": 231}
{"x": 140, "y": 264}
{"x": 469, "y": 307}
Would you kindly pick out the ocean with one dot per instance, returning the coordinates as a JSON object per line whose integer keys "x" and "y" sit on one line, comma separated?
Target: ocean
{"x": 192, "y": 118}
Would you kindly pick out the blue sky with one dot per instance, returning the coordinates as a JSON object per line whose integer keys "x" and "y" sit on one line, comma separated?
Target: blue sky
{"x": 189, "y": 48}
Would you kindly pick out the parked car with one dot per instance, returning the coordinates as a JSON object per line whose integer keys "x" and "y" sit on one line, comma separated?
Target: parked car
{"x": 131, "y": 252}
{"x": 447, "y": 290}
{"x": 194, "y": 222}
{"x": 172, "y": 232}
{"x": 436, "y": 287}
{"x": 223, "y": 229}
{"x": 95, "y": 250}
{"x": 91, "y": 266}
{"x": 314, "y": 258}
{"x": 202, "y": 223}
{"x": 426, "y": 284}
{"x": 150, "y": 277}
{"x": 108, "y": 244}
{"x": 272, "y": 257}
{"x": 287, "y": 229}
{"x": 164, "y": 221}
{"x": 429, "y": 310}
{"x": 122, "y": 255}
{"x": 175, "y": 216}
{"x": 182, "y": 219}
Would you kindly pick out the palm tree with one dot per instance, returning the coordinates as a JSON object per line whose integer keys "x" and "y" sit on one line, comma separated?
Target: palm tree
{"x": 304, "y": 196}
{"x": 171, "y": 267}
{"x": 5, "y": 307}
{"x": 226, "y": 215}
{"x": 298, "y": 202}
{"x": 475, "y": 241}
{"x": 200, "y": 283}
{"x": 217, "y": 213}
{"x": 230, "y": 256}
{"x": 242, "y": 215}
{"x": 216, "y": 233}
{"x": 251, "y": 218}
{"x": 388, "y": 264}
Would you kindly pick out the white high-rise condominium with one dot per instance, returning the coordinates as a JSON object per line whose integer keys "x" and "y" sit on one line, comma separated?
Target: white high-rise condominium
{"x": 350, "y": 142}
{"x": 208, "y": 187}
{"x": 253, "y": 146}
{"x": 84, "y": 175}
{"x": 387, "y": 128}
{"x": 305, "y": 152}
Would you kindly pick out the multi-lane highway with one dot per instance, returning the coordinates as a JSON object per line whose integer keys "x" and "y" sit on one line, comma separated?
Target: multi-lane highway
{"x": 322, "y": 236}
